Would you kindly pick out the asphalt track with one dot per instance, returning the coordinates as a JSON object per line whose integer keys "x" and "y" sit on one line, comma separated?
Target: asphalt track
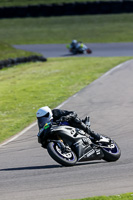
{"x": 98, "y": 50}
{"x": 27, "y": 171}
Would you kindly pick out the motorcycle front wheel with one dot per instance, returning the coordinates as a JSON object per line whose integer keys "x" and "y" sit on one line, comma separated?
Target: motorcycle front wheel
{"x": 88, "y": 51}
{"x": 63, "y": 158}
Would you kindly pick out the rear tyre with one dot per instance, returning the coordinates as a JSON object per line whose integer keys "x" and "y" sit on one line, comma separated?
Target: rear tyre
{"x": 112, "y": 152}
{"x": 63, "y": 158}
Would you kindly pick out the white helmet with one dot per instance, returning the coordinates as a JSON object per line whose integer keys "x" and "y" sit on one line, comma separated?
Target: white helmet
{"x": 44, "y": 112}
{"x": 44, "y": 115}
{"x": 74, "y": 41}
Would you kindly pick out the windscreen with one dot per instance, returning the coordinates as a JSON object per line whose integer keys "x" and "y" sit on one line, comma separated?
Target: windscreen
{"x": 42, "y": 121}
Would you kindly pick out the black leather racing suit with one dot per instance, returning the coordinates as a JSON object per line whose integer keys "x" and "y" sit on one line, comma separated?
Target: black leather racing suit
{"x": 73, "y": 120}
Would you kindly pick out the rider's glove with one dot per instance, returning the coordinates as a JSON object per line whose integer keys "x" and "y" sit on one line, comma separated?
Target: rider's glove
{"x": 65, "y": 118}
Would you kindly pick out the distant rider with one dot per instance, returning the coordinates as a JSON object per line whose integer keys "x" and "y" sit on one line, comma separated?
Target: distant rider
{"x": 76, "y": 46}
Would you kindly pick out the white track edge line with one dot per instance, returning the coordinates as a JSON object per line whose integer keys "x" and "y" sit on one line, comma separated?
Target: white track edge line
{"x": 18, "y": 134}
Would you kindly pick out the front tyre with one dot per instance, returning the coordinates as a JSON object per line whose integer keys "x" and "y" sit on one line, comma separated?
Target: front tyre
{"x": 88, "y": 51}
{"x": 63, "y": 158}
{"x": 111, "y": 152}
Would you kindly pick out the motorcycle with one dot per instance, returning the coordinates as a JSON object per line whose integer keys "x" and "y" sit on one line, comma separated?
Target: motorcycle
{"x": 79, "y": 49}
{"x": 68, "y": 145}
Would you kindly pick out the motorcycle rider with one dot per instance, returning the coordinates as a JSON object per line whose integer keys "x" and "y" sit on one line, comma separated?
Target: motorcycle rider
{"x": 76, "y": 46}
{"x": 73, "y": 45}
{"x": 69, "y": 117}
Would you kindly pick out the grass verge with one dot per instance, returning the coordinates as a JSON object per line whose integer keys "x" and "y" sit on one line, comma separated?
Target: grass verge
{"x": 88, "y": 28}
{"x": 7, "y": 51}
{"x": 34, "y": 2}
{"x": 25, "y": 88}
{"x": 127, "y": 196}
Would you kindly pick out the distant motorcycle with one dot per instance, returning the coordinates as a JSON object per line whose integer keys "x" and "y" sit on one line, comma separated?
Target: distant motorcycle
{"x": 79, "y": 48}
{"x": 68, "y": 145}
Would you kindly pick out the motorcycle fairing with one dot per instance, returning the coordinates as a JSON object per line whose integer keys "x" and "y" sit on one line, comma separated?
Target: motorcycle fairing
{"x": 91, "y": 154}
{"x": 79, "y": 143}
{"x": 67, "y": 133}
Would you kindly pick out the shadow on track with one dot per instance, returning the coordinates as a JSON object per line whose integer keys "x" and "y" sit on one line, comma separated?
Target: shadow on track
{"x": 30, "y": 168}
{"x": 69, "y": 54}
{"x": 75, "y": 55}
{"x": 91, "y": 163}
{"x": 47, "y": 166}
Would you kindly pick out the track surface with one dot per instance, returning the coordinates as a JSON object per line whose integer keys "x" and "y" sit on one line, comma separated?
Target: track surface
{"x": 27, "y": 171}
{"x": 98, "y": 50}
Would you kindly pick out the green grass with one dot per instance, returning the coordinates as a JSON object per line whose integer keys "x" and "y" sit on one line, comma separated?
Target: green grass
{"x": 97, "y": 28}
{"x": 35, "y": 2}
{"x": 127, "y": 196}
{"x": 25, "y": 88}
{"x": 7, "y": 51}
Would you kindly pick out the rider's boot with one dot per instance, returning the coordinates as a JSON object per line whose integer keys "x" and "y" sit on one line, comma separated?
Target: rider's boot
{"x": 86, "y": 121}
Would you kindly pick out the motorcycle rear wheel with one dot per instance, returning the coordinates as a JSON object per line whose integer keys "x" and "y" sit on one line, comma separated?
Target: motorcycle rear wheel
{"x": 63, "y": 158}
{"x": 111, "y": 154}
